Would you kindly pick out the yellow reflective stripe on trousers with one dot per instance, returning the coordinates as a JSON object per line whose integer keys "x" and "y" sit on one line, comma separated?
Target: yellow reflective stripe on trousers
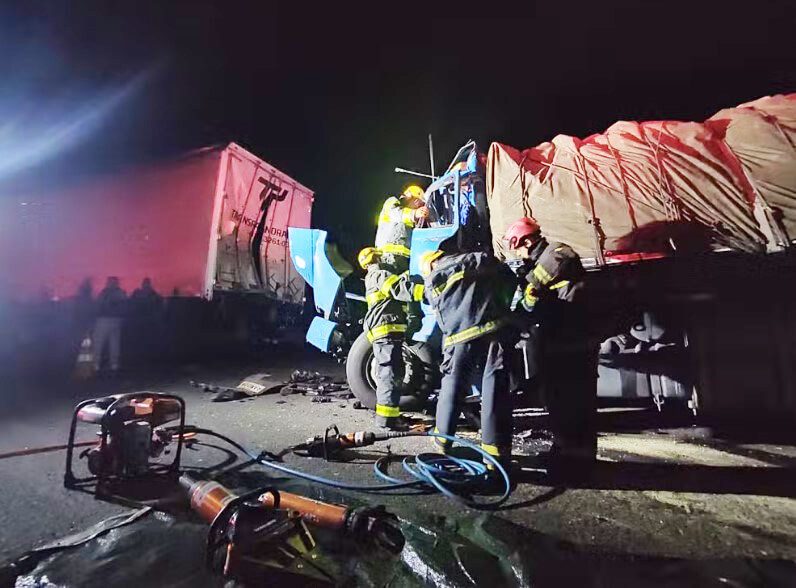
{"x": 472, "y": 333}
{"x": 388, "y": 411}
{"x": 439, "y": 440}
{"x": 384, "y": 330}
{"x": 493, "y": 450}
{"x": 542, "y": 274}
{"x": 558, "y": 285}
{"x": 395, "y": 249}
{"x": 452, "y": 279}
{"x": 417, "y": 292}
{"x": 496, "y": 452}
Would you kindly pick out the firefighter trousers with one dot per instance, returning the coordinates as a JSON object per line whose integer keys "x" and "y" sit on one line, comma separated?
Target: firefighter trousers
{"x": 569, "y": 383}
{"x": 458, "y": 366}
{"x": 388, "y": 358}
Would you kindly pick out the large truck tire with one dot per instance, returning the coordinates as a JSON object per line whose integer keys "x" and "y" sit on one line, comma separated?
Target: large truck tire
{"x": 422, "y": 376}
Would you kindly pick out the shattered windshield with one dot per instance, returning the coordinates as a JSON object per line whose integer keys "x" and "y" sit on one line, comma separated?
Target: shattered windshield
{"x": 441, "y": 204}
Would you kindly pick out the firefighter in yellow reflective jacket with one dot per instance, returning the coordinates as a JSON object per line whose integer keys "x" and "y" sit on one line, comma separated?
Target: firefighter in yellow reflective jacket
{"x": 553, "y": 281}
{"x": 397, "y": 218}
{"x": 470, "y": 294}
{"x": 387, "y": 293}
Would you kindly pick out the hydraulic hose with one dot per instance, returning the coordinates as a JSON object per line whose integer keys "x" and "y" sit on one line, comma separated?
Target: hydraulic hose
{"x": 454, "y": 477}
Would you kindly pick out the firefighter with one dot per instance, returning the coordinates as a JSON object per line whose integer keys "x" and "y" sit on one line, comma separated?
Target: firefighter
{"x": 469, "y": 294}
{"x": 397, "y": 218}
{"x": 553, "y": 280}
{"x": 387, "y": 292}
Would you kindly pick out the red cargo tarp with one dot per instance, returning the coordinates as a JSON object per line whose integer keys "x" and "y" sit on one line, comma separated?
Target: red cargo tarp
{"x": 733, "y": 177}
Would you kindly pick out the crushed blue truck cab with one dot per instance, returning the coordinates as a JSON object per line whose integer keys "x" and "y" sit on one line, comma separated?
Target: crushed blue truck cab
{"x": 323, "y": 269}
{"x": 457, "y": 206}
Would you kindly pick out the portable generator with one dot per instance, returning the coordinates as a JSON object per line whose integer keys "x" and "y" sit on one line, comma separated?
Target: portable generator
{"x": 131, "y": 441}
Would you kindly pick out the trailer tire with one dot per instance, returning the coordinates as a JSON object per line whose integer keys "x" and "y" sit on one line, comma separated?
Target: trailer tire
{"x": 422, "y": 381}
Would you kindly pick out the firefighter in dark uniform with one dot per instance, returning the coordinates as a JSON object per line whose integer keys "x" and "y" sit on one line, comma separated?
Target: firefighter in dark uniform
{"x": 469, "y": 294}
{"x": 552, "y": 280}
{"x": 387, "y": 292}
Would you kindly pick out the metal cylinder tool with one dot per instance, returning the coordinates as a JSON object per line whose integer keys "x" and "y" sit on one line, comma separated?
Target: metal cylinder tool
{"x": 373, "y": 525}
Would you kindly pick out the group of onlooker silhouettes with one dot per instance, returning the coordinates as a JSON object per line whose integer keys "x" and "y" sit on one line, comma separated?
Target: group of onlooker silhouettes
{"x": 141, "y": 313}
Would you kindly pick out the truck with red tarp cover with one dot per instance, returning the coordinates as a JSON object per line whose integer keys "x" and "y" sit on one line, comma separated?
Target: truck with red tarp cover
{"x": 686, "y": 229}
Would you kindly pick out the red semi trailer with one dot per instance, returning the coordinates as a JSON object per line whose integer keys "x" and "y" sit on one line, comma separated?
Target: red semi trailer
{"x": 212, "y": 221}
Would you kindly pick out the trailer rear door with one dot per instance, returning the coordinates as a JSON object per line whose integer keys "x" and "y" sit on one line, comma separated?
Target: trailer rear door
{"x": 256, "y": 204}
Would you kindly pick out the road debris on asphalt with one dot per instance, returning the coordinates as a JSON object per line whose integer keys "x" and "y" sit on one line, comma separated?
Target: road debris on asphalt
{"x": 316, "y": 384}
{"x": 253, "y": 385}
{"x": 301, "y": 382}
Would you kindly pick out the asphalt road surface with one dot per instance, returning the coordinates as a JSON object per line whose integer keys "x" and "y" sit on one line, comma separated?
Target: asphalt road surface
{"x": 659, "y": 490}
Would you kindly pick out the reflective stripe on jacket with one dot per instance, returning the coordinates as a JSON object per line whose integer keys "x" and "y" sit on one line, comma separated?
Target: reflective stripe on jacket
{"x": 387, "y": 294}
{"x": 556, "y": 274}
{"x": 394, "y": 232}
{"x": 469, "y": 293}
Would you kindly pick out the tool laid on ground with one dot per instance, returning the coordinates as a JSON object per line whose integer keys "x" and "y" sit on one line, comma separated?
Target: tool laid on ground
{"x": 249, "y": 533}
{"x": 368, "y": 525}
{"x": 131, "y": 438}
{"x": 332, "y": 441}
{"x": 458, "y": 478}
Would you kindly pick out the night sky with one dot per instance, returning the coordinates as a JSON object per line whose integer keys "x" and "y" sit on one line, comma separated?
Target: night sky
{"x": 337, "y": 96}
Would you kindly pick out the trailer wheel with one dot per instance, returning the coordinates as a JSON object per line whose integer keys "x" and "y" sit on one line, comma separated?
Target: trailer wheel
{"x": 421, "y": 375}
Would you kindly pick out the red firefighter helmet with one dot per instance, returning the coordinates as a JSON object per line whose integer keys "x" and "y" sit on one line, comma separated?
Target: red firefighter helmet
{"x": 518, "y": 231}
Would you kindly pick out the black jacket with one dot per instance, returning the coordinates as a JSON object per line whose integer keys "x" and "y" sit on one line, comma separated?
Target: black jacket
{"x": 470, "y": 294}
{"x": 112, "y": 303}
{"x": 387, "y": 294}
{"x": 553, "y": 283}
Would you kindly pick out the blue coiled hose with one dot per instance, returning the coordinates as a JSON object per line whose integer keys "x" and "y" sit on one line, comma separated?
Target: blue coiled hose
{"x": 454, "y": 477}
